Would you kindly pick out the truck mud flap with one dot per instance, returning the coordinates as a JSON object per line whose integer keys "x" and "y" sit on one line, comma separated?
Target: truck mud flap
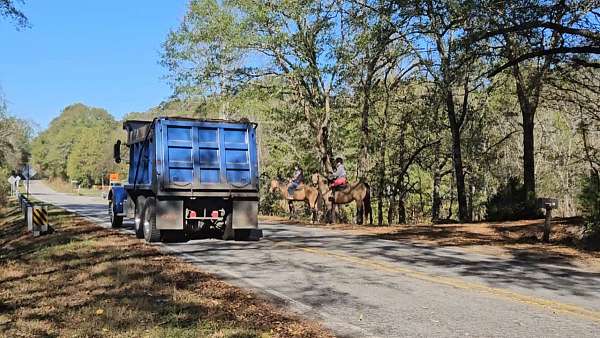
{"x": 169, "y": 214}
{"x": 245, "y": 214}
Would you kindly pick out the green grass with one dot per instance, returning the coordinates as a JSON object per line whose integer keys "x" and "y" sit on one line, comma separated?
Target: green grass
{"x": 66, "y": 187}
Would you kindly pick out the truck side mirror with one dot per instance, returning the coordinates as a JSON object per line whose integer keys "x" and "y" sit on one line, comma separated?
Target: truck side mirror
{"x": 117, "y": 151}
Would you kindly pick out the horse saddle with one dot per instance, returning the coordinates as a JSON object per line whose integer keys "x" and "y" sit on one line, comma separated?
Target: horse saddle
{"x": 336, "y": 189}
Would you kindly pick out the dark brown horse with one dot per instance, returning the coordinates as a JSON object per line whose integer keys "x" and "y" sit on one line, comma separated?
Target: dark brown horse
{"x": 358, "y": 192}
{"x": 304, "y": 193}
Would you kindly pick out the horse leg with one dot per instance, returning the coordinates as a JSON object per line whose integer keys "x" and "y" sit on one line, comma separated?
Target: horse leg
{"x": 311, "y": 205}
{"x": 317, "y": 209}
{"x": 291, "y": 209}
{"x": 360, "y": 208}
{"x": 334, "y": 213}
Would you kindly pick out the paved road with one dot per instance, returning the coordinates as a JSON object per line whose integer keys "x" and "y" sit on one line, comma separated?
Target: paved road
{"x": 379, "y": 288}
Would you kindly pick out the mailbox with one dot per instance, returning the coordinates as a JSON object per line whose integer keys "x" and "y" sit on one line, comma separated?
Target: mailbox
{"x": 550, "y": 203}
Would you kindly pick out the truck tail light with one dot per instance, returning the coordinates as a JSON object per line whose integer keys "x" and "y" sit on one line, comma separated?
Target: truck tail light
{"x": 214, "y": 214}
{"x": 192, "y": 214}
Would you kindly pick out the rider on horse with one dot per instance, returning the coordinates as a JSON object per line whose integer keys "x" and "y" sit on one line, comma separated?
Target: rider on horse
{"x": 296, "y": 181}
{"x": 339, "y": 175}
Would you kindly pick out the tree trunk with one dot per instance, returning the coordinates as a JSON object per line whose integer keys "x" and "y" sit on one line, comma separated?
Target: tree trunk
{"x": 322, "y": 141}
{"x": 528, "y": 156}
{"x": 463, "y": 214}
{"x": 380, "y": 207}
{"x": 471, "y": 205}
{"x": 401, "y": 210}
{"x": 451, "y": 200}
{"x": 436, "y": 200}
{"x": 381, "y": 164}
{"x": 390, "y": 217}
{"x": 528, "y": 93}
{"x": 380, "y": 194}
{"x": 363, "y": 162}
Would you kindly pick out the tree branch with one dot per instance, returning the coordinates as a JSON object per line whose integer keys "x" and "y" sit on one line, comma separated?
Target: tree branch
{"x": 545, "y": 52}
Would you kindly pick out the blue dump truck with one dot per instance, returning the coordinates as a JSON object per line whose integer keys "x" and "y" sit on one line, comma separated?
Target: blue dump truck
{"x": 189, "y": 177}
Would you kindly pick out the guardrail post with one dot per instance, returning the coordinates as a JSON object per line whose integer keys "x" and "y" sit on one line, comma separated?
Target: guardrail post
{"x": 40, "y": 220}
{"x": 36, "y": 216}
{"x": 29, "y": 218}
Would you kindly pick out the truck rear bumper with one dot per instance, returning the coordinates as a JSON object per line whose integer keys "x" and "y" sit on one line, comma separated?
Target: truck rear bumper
{"x": 170, "y": 213}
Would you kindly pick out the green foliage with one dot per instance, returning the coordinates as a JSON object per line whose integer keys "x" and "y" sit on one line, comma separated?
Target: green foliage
{"x": 77, "y": 145}
{"x": 10, "y": 11}
{"x": 4, "y": 186}
{"x": 369, "y": 82}
{"x": 590, "y": 200}
{"x": 15, "y": 134}
{"x": 509, "y": 203}
{"x": 208, "y": 35}
{"x": 14, "y": 141}
{"x": 87, "y": 162}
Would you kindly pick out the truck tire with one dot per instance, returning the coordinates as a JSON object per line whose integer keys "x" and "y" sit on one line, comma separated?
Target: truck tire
{"x": 115, "y": 221}
{"x": 228, "y": 233}
{"x": 151, "y": 233}
{"x": 139, "y": 216}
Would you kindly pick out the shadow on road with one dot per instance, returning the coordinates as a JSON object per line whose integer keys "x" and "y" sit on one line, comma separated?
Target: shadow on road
{"x": 521, "y": 268}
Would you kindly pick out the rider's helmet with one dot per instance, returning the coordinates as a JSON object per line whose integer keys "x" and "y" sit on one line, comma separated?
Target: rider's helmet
{"x": 339, "y": 161}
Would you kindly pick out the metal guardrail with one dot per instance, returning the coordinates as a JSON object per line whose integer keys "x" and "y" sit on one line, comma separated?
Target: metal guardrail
{"x": 35, "y": 214}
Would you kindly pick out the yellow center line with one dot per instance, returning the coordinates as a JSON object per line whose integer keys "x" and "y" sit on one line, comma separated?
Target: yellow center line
{"x": 458, "y": 283}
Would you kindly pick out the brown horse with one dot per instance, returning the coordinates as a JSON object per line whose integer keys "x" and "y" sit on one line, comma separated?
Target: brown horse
{"x": 304, "y": 193}
{"x": 358, "y": 192}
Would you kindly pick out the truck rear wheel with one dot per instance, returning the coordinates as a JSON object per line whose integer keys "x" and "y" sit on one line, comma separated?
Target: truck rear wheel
{"x": 139, "y": 216}
{"x": 115, "y": 221}
{"x": 151, "y": 233}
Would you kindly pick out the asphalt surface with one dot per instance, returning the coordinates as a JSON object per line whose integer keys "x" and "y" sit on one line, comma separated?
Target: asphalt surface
{"x": 363, "y": 287}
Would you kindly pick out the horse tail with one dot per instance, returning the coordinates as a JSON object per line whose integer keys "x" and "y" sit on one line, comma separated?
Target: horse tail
{"x": 367, "y": 203}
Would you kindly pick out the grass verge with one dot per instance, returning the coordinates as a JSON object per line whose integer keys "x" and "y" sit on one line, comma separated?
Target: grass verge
{"x": 86, "y": 281}
{"x": 66, "y": 187}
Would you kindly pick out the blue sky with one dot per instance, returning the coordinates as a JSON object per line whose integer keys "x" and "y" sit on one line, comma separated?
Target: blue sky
{"x": 101, "y": 53}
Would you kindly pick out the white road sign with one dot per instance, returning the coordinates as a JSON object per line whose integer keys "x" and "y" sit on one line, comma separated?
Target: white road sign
{"x": 28, "y": 171}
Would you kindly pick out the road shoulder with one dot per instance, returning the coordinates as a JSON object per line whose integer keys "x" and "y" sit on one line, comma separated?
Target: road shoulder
{"x": 84, "y": 280}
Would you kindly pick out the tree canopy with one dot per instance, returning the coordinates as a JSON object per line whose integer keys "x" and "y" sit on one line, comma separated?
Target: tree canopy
{"x": 15, "y": 135}
{"x": 77, "y": 145}
{"x": 448, "y": 109}
{"x": 439, "y": 104}
{"x": 10, "y": 11}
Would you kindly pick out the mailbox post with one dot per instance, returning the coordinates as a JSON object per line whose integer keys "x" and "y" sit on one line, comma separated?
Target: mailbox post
{"x": 547, "y": 204}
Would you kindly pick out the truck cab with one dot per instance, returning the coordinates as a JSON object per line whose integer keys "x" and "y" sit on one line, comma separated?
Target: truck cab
{"x": 189, "y": 176}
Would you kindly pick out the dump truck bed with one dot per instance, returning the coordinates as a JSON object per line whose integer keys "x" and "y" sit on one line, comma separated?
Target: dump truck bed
{"x": 187, "y": 155}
